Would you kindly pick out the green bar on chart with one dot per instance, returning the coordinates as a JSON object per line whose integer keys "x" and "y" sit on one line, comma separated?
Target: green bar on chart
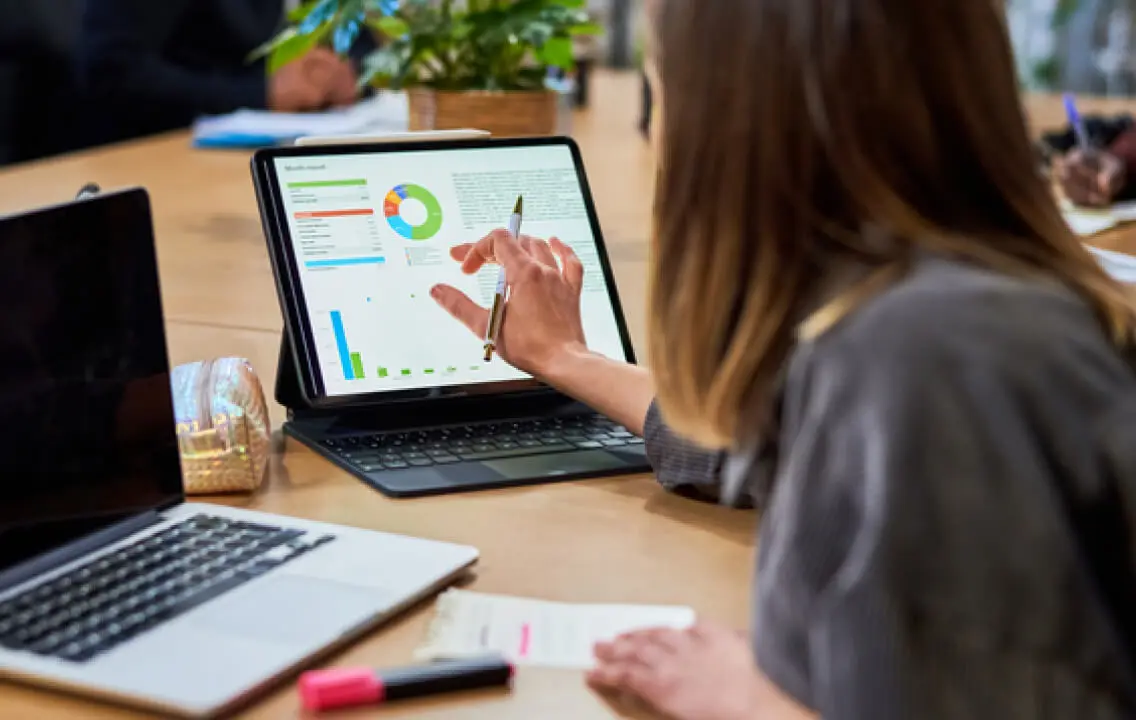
{"x": 429, "y": 371}
{"x": 406, "y": 371}
{"x": 326, "y": 184}
{"x": 382, "y": 372}
{"x": 357, "y": 365}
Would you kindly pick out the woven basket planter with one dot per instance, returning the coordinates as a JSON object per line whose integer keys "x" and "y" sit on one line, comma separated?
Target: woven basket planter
{"x": 504, "y": 114}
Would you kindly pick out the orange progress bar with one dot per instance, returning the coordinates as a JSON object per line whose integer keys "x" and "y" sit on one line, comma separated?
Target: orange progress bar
{"x": 332, "y": 213}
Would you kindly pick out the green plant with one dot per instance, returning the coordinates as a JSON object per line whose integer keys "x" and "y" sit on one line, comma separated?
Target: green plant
{"x": 447, "y": 45}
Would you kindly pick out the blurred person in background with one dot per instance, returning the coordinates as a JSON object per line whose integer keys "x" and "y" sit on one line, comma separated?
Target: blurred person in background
{"x": 867, "y": 309}
{"x": 39, "y": 95}
{"x": 155, "y": 65}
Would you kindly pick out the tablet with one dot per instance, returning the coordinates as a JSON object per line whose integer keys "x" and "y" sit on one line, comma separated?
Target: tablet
{"x": 359, "y": 234}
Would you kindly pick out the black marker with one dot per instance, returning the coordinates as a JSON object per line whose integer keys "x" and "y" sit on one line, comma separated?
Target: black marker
{"x": 350, "y": 687}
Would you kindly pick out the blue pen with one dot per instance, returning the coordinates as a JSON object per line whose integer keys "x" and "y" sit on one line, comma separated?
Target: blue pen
{"x": 1077, "y": 122}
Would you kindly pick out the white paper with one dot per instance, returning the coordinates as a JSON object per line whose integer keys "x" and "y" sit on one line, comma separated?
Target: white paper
{"x": 1089, "y": 222}
{"x": 1123, "y": 212}
{"x": 386, "y": 112}
{"x": 1119, "y": 265}
{"x": 536, "y": 632}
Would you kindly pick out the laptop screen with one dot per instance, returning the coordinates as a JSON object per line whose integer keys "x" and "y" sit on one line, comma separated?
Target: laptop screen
{"x": 87, "y": 434}
{"x": 371, "y": 234}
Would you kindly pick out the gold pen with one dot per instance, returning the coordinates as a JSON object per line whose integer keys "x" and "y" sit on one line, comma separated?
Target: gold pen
{"x": 497, "y": 311}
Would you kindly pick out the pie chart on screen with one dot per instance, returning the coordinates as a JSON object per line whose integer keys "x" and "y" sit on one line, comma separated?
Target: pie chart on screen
{"x": 413, "y": 212}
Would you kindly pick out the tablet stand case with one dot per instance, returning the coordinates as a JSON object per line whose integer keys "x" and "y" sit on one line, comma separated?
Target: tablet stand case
{"x": 308, "y": 425}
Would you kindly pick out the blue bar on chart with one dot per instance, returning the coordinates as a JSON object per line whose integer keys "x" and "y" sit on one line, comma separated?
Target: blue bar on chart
{"x": 343, "y": 262}
{"x": 341, "y": 343}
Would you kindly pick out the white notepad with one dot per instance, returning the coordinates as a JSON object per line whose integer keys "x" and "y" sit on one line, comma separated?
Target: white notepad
{"x": 1087, "y": 222}
{"x": 536, "y": 632}
{"x": 1119, "y": 265}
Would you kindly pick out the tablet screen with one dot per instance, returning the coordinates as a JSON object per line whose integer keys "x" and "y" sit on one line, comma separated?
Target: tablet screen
{"x": 371, "y": 234}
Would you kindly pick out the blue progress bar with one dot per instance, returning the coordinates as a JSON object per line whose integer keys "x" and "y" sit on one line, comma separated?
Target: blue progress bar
{"x": 345, "y": 261}
{"x": 341, "y": 342}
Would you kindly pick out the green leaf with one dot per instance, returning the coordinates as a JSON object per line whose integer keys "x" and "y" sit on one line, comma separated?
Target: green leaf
{"x": 300, "y": 12}
{"x": 390, "y": 26}
{"x": 266, "y": 48}
{"x": 291, "y": 49}
{"x": 557, "y": 52}
{"x": 536, "y": 34}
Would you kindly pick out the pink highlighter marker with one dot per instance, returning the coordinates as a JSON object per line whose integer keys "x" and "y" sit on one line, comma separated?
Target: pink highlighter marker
{"x": 350, "y": 687}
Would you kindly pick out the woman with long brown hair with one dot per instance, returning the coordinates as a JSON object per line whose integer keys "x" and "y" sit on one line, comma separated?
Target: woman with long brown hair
{"x": 864, "y": 298}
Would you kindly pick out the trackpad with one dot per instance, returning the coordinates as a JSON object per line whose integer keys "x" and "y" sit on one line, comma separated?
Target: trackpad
{"x": 571, "y": 463}
{"x": 291, "y": 609}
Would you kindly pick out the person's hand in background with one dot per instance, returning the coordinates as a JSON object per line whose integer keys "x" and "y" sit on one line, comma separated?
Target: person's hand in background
{"x": 318, "y": 80}
{"x": 542, "y": 317}
{"x": 1091, "y": 179}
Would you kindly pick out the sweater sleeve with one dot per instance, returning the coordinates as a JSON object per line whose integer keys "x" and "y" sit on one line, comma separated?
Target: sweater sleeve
{"x": 686, "y": 468}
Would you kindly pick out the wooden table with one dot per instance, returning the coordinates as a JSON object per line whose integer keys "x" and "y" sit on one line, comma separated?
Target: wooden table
{"x": 616, "y": 540}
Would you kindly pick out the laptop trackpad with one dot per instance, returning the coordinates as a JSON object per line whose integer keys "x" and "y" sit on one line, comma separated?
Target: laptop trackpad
{"x": 572, "y": 463}
{"x": 291, "y": 609}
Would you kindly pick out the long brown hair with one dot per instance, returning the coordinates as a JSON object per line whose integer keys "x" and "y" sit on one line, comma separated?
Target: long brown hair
{"x": 789, "y": 130}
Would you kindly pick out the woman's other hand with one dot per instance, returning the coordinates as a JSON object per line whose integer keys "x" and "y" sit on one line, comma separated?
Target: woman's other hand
{"x": 542, "y": 317}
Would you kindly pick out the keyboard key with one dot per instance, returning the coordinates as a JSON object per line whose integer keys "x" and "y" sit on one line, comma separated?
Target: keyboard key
{"x": 589, "y": 445}
{"x": 395, "y": 465}
{"x": 419, "y": 462}
{"x": 614, "y": 442}
{"x": 446, "y": 460}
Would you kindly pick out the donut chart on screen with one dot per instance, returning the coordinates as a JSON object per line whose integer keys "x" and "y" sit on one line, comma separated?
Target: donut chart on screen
{"x": 425, "y": 230}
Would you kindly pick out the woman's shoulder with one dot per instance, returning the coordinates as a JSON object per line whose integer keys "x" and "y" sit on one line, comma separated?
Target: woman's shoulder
{"x": 944, "y": 312}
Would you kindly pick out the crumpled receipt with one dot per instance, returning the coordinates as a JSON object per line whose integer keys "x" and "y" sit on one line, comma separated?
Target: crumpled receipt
{"x": 535, "y": 632}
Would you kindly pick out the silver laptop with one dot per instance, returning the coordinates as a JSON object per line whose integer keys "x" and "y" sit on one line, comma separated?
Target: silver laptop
{"x": 110, "y": 583}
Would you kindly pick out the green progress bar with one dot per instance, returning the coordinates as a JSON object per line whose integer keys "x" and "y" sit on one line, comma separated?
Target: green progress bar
{"x": 382, "y": 372}
{"x": 357, "y": 365}
{"x": 326, "y": 183}
{"x": 406, "y": 371}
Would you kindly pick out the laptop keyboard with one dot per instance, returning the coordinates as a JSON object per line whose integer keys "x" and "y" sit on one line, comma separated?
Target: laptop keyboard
{"x": 117, "y": 596}
{"x": 485, "y": 441}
